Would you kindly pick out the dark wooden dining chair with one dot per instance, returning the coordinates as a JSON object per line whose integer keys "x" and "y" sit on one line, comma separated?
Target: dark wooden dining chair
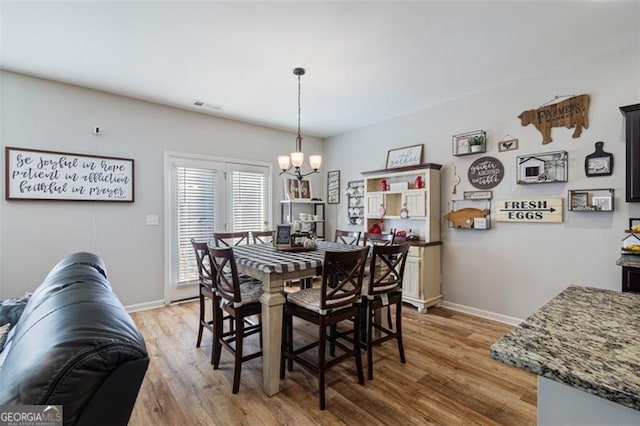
{"x": 206, "y": 289}
{"x": 382, "y": 289}
{"x": 371, "y": 239}
{"x": 337, "y": 300}
{"x": 239, "y": 301}
{"x": 347, "y": 237}
{"x": 262, "y": 237}
{"x": 228, "y": 239}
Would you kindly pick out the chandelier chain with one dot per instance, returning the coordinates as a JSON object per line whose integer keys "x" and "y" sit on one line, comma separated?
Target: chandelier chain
{"x": 299, "y": 105}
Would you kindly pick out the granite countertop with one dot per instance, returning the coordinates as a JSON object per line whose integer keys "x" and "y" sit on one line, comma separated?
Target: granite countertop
{"x": 587, "y": 338}
{"x": 629, "y": 260}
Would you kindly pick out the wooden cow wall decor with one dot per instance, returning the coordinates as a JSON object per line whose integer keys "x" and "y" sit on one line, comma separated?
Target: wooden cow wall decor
{"x": 572, "y": 112}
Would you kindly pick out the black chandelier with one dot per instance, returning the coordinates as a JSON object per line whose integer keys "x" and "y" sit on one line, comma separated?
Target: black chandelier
{"x": 292, "y": 164}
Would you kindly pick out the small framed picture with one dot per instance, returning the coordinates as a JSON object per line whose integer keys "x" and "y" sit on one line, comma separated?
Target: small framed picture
{"x": 295, "y": 189}
{"x": 579, "y": 199}
{"x": 602, "y": 203}
{"x": 598, "y": 166}
{"x": 634, "y": 224}
{"x": 508, "y": 145}
{"x": 598, "y": 163}
{"x": 291, "y": 189}
{"x": 461, "y": 146}
{"x": 333, "y": 187}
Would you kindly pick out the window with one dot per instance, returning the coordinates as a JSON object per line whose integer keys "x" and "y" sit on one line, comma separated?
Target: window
{"x": 206, "y": 196}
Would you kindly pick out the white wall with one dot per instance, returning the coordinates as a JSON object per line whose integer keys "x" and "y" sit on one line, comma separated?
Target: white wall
{"x": 513, "y": 269}
{"x": 41, "y": 114}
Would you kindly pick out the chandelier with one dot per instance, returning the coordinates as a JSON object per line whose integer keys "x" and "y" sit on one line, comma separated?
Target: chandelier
{"x": 292, "y": 164}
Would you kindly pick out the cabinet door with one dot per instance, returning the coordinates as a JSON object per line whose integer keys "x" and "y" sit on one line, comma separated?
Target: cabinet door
{"x": 630, "y": 279}
{"x": 411, "y": 281}
{"x": 374, "y": 201}
{"x": 416, "y": 203}
{"x": 632, "y": 124}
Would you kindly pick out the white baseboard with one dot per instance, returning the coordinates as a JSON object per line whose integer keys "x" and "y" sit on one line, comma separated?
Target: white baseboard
{"x": 481, "y": 313}
{"x": 145, "y": 306}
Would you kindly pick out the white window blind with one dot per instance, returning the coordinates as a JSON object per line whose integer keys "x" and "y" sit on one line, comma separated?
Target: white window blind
{"x": 248, "y": 198}
{"x": 197, "y": 214}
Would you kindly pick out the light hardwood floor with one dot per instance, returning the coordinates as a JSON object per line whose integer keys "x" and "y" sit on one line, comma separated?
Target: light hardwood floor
{"x": 449, "y": 378}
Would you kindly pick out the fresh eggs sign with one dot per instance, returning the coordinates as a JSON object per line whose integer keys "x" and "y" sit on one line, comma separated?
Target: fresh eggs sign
{"x": 536, "y": 210}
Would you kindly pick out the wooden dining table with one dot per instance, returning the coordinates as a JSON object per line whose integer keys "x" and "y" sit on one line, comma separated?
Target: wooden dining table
{"x": 273, "y": 267}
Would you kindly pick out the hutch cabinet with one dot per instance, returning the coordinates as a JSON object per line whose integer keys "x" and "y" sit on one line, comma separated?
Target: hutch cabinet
{"x": 395, "y": 199}
{"x": 632, "y": 126}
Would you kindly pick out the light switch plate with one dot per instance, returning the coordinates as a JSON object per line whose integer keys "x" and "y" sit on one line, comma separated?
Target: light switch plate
{"x": 152, "y": 219}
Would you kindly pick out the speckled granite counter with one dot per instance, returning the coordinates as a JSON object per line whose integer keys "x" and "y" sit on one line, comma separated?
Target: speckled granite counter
{"x": 629, "y": 260}
{"x": 586, "y": 338}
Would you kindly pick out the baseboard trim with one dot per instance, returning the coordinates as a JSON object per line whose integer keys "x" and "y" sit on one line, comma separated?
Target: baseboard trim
{"x": 481, "y": 313}
{"x": 154, "y": 304}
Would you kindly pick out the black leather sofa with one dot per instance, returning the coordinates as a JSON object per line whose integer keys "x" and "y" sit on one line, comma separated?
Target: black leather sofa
{"x": 76, "y": 346}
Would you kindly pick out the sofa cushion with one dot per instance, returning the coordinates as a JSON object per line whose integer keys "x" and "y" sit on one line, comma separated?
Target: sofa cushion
{"x": 4, "y": 331}
{"x": 11, "y": 309}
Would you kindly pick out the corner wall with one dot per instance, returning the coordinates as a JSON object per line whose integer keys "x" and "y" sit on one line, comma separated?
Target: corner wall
{"x": 513, "y": 269}
{"x": 42, "y": 114}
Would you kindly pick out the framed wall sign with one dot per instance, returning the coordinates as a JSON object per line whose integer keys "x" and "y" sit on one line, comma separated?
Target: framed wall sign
{"x": 402, "y": 157}
{"x": 598, "y": 163}
{"x": 508, "y": 145}
{"x": 532, "y": 210}
{"x": 485, "y": 173}
{"x": 548, "y": 167}
{"x": 32, "y": 174}
{"x": 333, "y": 187}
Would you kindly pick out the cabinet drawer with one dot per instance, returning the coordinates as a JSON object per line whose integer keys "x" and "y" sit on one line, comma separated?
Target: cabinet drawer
{"x": 415, "y": 251}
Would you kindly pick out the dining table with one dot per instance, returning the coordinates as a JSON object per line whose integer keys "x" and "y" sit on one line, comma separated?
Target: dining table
{"x": 274, "y": 266}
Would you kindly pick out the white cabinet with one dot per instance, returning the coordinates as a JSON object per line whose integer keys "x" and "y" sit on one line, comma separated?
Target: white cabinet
{"x": 422, "y": 275}
{"x": 416, "y": 202}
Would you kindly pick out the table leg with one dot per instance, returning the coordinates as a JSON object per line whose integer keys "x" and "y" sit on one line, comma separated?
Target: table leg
{"x": 272, "y": 300}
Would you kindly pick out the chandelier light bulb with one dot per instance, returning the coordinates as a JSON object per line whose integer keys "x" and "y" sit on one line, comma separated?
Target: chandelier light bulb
{"x": 315, "y": 161}
{"x": 297, "y": 158}
{"x": 284, "y": 162}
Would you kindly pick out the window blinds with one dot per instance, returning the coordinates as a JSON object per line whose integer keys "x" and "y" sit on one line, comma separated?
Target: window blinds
{"x": 197, "y": 214}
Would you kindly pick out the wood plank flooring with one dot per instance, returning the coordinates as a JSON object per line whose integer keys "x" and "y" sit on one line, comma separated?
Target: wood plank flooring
{"x": 449, "y": 378}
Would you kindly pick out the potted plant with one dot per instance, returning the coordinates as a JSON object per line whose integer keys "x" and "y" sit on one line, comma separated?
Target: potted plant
{"x": 476, "y": 143}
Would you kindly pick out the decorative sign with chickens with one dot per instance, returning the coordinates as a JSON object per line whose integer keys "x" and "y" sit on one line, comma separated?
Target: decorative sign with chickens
{"x": 535, "y": 210}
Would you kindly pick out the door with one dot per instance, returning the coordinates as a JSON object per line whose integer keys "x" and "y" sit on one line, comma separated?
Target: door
{"x": 205, "y": 195}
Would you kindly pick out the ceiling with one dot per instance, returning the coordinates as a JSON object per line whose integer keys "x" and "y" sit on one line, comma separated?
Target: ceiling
{"x": 366, "y": 61}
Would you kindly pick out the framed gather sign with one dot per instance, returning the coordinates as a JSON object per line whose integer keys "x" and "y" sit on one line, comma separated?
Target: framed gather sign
{"x": 33, "y": 174}
{"x": 402, "y": 157}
